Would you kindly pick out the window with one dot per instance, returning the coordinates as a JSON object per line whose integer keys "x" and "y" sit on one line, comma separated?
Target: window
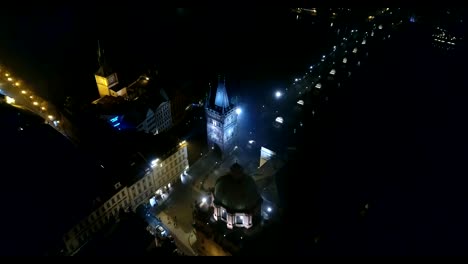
{"x": 223, "y": 214}
{"x": 239, "y": 219}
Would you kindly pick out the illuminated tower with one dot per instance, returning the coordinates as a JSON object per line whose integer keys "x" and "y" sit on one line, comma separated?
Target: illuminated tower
{"x": 105, "y": 78}
{"x": 221, "y": 120}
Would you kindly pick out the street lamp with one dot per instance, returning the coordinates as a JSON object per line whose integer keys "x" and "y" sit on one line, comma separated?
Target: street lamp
{"x": 269, "y": 209}
{"x": 203, "y": 200}
{"x": 278, "y": 94}
{"x": 238, "y": 110}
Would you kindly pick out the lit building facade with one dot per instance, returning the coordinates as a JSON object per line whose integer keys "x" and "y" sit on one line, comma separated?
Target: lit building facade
{"x": 106, "y": 80}
{"x": 236, "y": 199}
{"x": 164, "y": 173}
{"x": 221, "y": 121}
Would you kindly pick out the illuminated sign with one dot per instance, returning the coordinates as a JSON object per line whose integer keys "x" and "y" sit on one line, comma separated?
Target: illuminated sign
{"x": 116, "y": 125}
{"x": 114, "y": 119}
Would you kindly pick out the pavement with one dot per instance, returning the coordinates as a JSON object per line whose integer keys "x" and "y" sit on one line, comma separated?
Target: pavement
{"x": 185, "y": 240}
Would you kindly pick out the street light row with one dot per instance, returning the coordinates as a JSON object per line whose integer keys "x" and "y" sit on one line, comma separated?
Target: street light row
{"x": 35, "y": 99}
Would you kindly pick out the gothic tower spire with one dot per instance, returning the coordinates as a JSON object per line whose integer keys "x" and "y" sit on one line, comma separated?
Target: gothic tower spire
{"x": 221, "y": 99}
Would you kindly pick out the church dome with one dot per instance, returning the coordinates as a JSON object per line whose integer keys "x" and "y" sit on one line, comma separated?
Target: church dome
{"x": 236, "y": 192}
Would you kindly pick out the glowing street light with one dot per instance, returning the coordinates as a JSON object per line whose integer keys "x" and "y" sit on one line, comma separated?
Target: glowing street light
{"x": 17, "y": 84}
{"x": 269, "y": 209}
{"x": 35, "y": 103}
{"x": 51, "y": 117}
{"x": 203, "y": 200}
{"x": 7, "y": 74}
{"x": 24, "y": 92}
{"x": 238, "y": 110}
{"x": 9, "y": 100}
{"x": 10, "y": 79}
{"x": 278, "y": 94}
{"x": 43, "y": 108}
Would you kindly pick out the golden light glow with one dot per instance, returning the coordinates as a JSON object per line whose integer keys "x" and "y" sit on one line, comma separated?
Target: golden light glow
{"x": 17, "y": 83}
{"x": 43, "y": 108}
{"x": 24, "y": 92}
{"x": 35, "y": 103}
{"x": 10, "y": 79}
{"x": 182, "y": 143}
{"x": 9, "y": 100}
{"x": 7, "y": 74}
{"x": 31, "y": 97}
{"x": 51, "y": 117}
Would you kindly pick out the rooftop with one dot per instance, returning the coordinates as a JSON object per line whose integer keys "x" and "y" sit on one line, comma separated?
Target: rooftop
{"x": 236, "y": 191}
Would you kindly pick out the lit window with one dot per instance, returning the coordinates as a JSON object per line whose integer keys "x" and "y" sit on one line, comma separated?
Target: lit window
{"x": 318, "y": 85}
{"x": 300, "y": 102}
{"x": 279, "y": 119}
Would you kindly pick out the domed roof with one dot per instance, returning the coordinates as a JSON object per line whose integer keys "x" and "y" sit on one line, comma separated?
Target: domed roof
{"x": 236, "y": 191}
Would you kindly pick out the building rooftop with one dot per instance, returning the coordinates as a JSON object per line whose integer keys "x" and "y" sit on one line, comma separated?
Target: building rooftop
{"x": 236, "y": 191}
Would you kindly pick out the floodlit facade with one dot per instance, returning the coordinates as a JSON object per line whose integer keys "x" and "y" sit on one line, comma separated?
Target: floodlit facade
{"x": 106, "y": 80}
{"x": 221, "y": 121}
{"x": 163, "y": 174}
{"x": 236, "y": 199}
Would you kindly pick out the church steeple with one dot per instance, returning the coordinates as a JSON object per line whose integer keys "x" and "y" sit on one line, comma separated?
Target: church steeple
{"x": 106, "y": 78}
{"x": 104, "y": 69}
{"x": 221, "y": 99}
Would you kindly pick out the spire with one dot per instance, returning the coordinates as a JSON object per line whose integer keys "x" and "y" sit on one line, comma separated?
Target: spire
{"x": 99, "y": 52}
{"x": 222, "y": 99}
{"x": 104, "y": 69}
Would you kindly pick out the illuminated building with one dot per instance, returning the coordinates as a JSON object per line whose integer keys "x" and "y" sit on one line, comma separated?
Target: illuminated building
{"x": 141, "y": 105}
{"x": 221, "y": 120}
{"x": 106, "y": 80}
{"x": 236, "y": 199}
{"x": 150, "y": 115}
{"x": 151, "y": 177}
{"x": 234, "y": 216}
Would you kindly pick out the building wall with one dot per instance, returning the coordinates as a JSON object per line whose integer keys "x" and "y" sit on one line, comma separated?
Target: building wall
{"x": 101, "y": 83}
{"x": 129, "y": 197}
{"x": 157, "y": 121}
{"x": 221, "y": 129}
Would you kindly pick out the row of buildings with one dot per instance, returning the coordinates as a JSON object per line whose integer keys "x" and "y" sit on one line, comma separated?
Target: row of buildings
{"x": 144, "y": 176}
{"x": 139, "y": 158}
